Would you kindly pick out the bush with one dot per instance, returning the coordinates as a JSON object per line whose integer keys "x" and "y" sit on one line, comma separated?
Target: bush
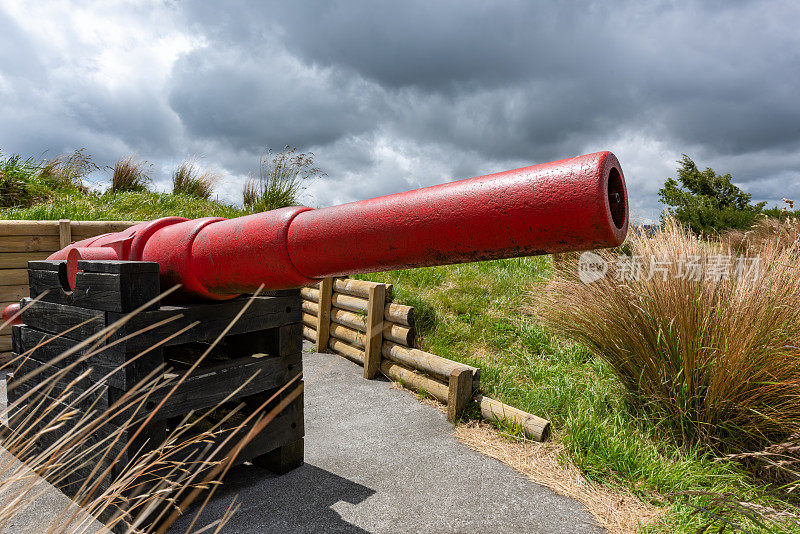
{"x": 130, "y": 175}
{"x": 189, "y": 180}
{"x": 281, "y": 178}
{"x": 715, "y": 358}
{"x": 707, "y": 202}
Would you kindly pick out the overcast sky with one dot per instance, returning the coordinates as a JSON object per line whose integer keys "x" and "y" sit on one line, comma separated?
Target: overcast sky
{"x": 396, "y": 95}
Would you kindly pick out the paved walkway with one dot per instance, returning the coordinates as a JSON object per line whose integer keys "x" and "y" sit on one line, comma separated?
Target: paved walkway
{"x": 377, "y": 460}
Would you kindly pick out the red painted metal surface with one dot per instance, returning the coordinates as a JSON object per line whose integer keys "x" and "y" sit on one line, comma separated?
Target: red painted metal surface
{"x": 573, "y": 204}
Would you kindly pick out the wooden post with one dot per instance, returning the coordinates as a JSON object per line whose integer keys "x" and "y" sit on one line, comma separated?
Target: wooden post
{"x": 324, "y": 314}
{"x": 375, "y": 310}
{"x": 65, "y": 232}
{"x": 459, "y": 393}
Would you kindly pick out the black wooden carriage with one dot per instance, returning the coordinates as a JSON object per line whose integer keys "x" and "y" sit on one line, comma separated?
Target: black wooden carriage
{"x": 262, "y": 348}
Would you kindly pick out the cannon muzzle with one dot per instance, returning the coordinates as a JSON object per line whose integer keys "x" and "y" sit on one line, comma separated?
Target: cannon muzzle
{"x": 573, "y": 204}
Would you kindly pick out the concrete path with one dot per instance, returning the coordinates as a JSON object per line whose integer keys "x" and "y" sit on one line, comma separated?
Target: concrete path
{"x": 379, "y": 461}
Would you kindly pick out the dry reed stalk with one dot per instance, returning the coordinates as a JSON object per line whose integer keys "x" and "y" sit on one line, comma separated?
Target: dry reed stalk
{"x": 153, "y": 485}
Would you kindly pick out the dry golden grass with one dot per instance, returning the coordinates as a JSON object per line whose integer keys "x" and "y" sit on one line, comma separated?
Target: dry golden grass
{"x": 766, "y": 231}
{"x": 54, "y": 439}
{"x": 716, "y": 357}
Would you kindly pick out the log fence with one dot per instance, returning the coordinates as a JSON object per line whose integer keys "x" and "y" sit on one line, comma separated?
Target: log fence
{"x": 357, "y": 320}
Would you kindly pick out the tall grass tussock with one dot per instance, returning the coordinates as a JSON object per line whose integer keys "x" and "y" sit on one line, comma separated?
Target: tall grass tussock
{"x": 130, "y": 175}
{"x": 189, "y": 179}
{"x": 716, "y": 359}
{"x": 281, "y": 178}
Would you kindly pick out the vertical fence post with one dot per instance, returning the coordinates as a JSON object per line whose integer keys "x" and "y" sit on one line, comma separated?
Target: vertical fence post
{"x": 459, "y": 393}
{"x": 65, "y": 232}
{"x": 372, "y": 351}
{"x": 324, "y": 314}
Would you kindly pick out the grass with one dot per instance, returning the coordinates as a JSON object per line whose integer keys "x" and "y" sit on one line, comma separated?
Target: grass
{"x": 34, "y": 189}
{"x": 281, "y": 178}
{"x": 475, "y": 313}
{"x": 189, "y": 180}
{"x": 130, "y": 175}
{"x": 120, "y": 206}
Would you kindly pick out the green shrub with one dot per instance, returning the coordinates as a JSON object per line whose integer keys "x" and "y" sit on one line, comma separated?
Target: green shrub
{"x": 707, "y": 202}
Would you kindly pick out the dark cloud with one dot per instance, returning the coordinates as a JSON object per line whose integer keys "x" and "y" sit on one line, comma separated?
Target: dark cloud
{"x": 394, "y": 95}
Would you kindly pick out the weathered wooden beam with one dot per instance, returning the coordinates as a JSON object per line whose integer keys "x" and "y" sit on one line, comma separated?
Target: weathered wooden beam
{"x": 348, "y": 351}
{"x": 534, "y": 427}
{"x": 415, "y": 380}
{"x": 374, "y": 334}
{"x": 324, "y": 314}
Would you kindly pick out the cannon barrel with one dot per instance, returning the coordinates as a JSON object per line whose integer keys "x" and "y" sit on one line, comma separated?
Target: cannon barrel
{"x": 573, "y": 204}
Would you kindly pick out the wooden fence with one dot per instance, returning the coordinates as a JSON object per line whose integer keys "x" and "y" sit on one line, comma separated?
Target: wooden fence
{"x": 23, "y": 241}
{"x": 357, "y": 320}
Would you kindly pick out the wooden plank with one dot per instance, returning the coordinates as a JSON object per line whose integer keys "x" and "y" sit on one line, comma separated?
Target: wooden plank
{"x": 19, "y": 260}
{"x": 84, "y": 229}
{"x": 324, "y": 314}
{"x": 346, "y": 302}
{"x": 263, "y": 313}
{"x": 353, "y": 337}
{"x": 211, "y": 384}
{"x": 45, "y": 347}
{"x": 415, "y": 380}
{"x": 459, "y": 393}
{"x": 29, "y": 243}
{"x": 348, "y": 351}
{"x": 309, "y": 293}
{"x": 98, "y": 286}
{"x": 13, "y": 293}
{"x": 310, "y": 320}
{"x": 400, "y": 314}
{"x": 283, "y": 459}
{"x": 346, "y": 318}
{"x": 64, "y": 233}
{"x": 372, "y": 350}
{"x": 534, "y": 427}
{"x": 5, "y": 343}
{"x": 57, "y": 318}
{"x": 13, "y": 277}
{"x": 358, "y": 288}
{"x": 39, "y": 228}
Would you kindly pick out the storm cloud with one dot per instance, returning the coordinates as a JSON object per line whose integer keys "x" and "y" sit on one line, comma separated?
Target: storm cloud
{"x": 396, "y": 95}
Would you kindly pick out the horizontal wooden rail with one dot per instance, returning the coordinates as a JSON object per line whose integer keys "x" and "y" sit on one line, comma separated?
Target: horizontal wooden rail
{"x": 533, "y": 427}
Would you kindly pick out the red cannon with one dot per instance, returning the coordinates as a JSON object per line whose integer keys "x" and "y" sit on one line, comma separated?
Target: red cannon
{"x": 573, "y": 204}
